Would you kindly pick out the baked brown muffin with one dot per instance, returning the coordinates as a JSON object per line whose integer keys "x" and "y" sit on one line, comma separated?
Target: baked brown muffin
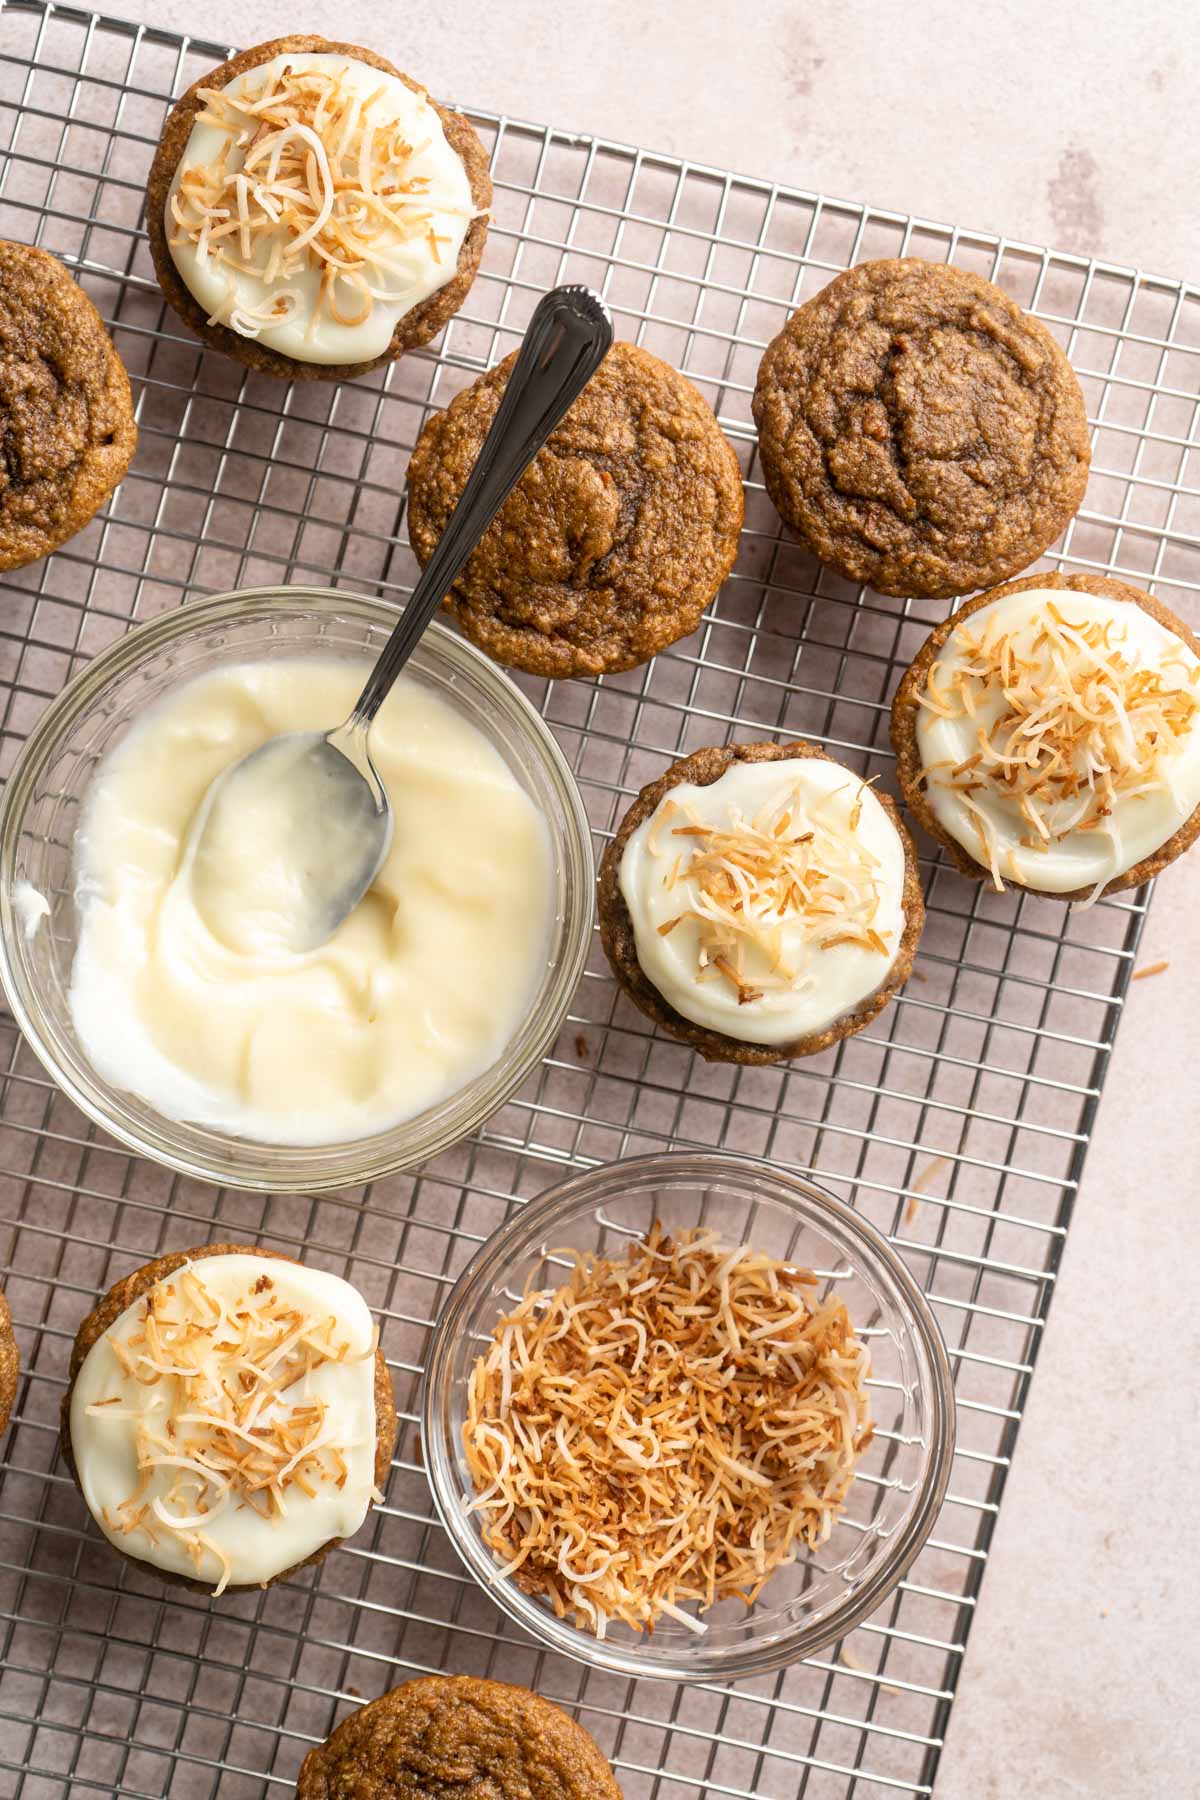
{"x": 618, "y": 935}
{"x": 918, "y": 431}
{"x": 133, "y": 1287}
{"x": 66, "y": 411}
{"x": 616, "y": 538}
{"x": 417, "y": 326}
{"x": 926, "y": 696}
{"x": 10, "y": 1364}
{"x": 451, "y": 1737}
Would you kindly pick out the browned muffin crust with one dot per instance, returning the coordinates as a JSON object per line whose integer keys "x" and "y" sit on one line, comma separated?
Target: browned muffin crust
{"x": 104, "y": 1316}
{"x": 10, "y": 1364}
{"x": 918, "y": 431}
{"x": 451, "y": 1737}
{"x": 416, "y": 327}
{"x": 66, "y": 413}
{"x": 702, "y": 768}
{"x": 615, "y": 539}
{"x": 906, "y": 710}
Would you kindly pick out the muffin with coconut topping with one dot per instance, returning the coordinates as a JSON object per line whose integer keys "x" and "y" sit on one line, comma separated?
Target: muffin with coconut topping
{"x": 313, "y": 212}
{"x": 1048, "y": 734}
{"x": 760, "y": 902}
{"x": 228, "y": 1417}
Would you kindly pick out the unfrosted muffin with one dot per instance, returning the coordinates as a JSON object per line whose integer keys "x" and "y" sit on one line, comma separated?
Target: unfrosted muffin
{"x": 760, "y": 902}
{"x": 312, "y": 212}
{"x": 10, "y": 1364}
{"x": 66, "y": 412}
{"x": 453, "y": 1737}
{"x": 1048, "y": 734}
{"x": 918, "y": 431}
{"x": 616, "y": 538}
{"x": 190, "y": 1361}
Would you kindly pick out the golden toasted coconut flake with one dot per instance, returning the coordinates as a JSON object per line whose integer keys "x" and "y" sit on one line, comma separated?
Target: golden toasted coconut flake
{"x": 228, "y": 1408}
{"x": 788, "y": 865}
{"x": 1154, "y": 968}
{"x": 324, "y": 184}
{"x": 665, "y": 1430}
{"x": 1068, "y": 724}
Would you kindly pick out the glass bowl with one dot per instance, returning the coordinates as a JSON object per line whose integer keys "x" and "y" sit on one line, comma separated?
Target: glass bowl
{"x": 40, "y": 812}
{"x": 902, "y": 1475}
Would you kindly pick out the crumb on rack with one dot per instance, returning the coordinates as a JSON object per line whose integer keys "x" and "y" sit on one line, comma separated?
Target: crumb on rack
{"x": 1154, "y": 968}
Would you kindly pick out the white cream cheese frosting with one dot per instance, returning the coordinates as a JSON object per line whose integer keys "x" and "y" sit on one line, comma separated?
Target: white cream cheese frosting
{"x": 317, "y": 201}
{"x": 1059, "y": 732}
{"x": 769, "y": 903}
{"x": 417, "y": 992}
{"x": 224, "y": 1427}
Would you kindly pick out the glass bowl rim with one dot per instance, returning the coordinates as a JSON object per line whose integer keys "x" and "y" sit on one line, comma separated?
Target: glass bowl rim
{"x": 788, "y": 1187}
{"x": 278, "y": 1168}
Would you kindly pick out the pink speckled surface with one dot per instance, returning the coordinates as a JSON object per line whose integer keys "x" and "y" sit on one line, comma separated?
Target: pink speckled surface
{"x": 1075, "y": 126}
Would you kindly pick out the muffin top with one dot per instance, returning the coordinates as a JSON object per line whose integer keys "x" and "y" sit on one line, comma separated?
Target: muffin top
{"x": 615, "y": 539}
{"x": 316, "y": 202}
{"x": 769, "y": 902}
{"x": 312, "y": 211}
{"x": 64, "y": 398}
{"x": 919, "y": 431}
{"x": 1053, "y": 728}
{"x": 222, "y": 1414}
{"x": 760, "y": 901}
{"x": 455, "y": 1738}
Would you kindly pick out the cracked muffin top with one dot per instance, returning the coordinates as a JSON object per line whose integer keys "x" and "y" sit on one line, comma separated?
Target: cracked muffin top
{"x": 452, "y": 1737}
{"x": 66, "y": 415}
{"x": 918, "y": 431}
{"x": 617, "y": 536}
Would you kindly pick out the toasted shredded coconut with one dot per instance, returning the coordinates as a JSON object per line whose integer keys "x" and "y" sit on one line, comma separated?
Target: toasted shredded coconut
{"x": 665, "y": 1430}
{"x": 1154, "y": 968}
{"x": 1075, "y": 726}
{"x": 922, "y": 1182}
{"x": 324, "y": 184}
{"x": 228, "y": 1406}
{"x": 789, "y": 864}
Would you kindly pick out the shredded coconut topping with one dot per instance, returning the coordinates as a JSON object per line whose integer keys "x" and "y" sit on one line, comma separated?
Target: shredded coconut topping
{"x": 1067, "y": 725}
{"x": 321, "y": 180}
{"x": 228, "y": 1408}
{"x": 666, "y": 1429}
{"x": 787, "y": 865}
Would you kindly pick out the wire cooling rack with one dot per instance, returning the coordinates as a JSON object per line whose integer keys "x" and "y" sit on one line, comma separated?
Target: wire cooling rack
{"x": 958, "y": 1123}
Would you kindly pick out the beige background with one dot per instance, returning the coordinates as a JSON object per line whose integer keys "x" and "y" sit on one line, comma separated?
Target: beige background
{"x": 1074, "y": 125}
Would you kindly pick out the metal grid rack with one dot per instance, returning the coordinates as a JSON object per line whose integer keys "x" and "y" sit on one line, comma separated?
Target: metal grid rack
{"x": 958, "y": 1123}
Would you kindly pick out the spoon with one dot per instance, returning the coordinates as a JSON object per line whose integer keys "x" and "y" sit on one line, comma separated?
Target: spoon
{"x": 288, "y": 840}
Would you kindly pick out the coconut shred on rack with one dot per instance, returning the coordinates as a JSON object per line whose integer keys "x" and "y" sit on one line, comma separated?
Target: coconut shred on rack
{"x": 315, "y": 176}
{"x": 665, "y": 1430}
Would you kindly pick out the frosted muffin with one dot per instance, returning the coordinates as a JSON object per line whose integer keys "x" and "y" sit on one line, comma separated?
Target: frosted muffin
{"x": 313, "y": 212}
{"x": 228, "y": 1417}
{"x": 1048, "y": 734}
{"x": 760, "y": 902}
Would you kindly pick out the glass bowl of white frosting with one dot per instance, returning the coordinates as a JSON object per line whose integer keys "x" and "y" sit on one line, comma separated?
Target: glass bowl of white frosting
{"x": 431, "y": 1004}
{"x": 589, "y": 1447}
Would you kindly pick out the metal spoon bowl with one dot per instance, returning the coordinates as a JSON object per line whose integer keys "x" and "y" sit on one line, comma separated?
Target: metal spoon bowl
{"x": 288, "y": 840}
